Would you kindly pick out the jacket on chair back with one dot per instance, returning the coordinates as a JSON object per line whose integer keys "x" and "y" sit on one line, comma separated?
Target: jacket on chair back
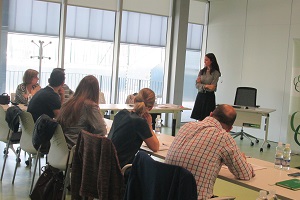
{"x": 43, "y": 131}
{"x": 95, "y": 169}
{"x": 153, "y": 180}
{"x": 12, "y": 117}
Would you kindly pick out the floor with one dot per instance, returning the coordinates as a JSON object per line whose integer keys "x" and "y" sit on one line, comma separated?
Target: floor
{"x": 20, "y": 190}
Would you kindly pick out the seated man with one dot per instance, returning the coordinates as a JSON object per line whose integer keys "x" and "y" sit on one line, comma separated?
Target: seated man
{"x": 48, "y": 100}
{"x": 67, "y": 91}
{"x": 202, "y": 147}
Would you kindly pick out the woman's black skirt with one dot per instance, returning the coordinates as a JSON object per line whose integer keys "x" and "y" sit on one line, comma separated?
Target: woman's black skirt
{"x": 204, "y": 104}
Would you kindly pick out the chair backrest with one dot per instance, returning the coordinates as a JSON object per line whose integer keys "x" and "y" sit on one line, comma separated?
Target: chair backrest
{"x": 4, "y": 129}
{"x": 58, "y": 155}
{"x": 27, "y": 125}
{"x": 245, "y": 96}
{"x": 150, "y": 179}
{"x": 44, "y": 129}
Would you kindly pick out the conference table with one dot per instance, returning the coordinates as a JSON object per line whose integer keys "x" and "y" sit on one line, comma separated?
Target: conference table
{"x": 21, "y": 106}
{"x": 266, "y": 174}
{"x": 251, "y": 117}
{"x": 159, "y": 108}
{"x": 265, "y": 178}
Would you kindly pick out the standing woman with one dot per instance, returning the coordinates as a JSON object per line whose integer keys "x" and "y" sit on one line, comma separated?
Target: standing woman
{"x": 28, "y": 87}
{"x": 82, "y": 112}
{"x": 206, "y": 84}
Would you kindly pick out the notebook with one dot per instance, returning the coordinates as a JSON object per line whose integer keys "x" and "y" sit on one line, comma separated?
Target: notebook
{"x": 293, "y": 184}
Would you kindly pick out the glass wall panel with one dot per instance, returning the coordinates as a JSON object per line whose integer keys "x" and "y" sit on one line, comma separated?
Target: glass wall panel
{"x": 30, "y": 35}
{"x": 89, "y": 46}
{"x": 192, "y": 67}
{"x": 140, "y": 67}
{"x": 142, "y": 54}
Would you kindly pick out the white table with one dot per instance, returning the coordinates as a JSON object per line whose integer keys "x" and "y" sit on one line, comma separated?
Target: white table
{"x": 165, "y": 142}
{"x": 252, "y": 117}
{"x": 161, "y": 108}
{"x": 264, "y": 179}
{"x": 22, "y": 106}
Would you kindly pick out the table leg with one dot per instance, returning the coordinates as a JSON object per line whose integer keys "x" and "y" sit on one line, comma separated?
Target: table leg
{"x": 173, "y": 126}
{"x": 174, "y": 121}
{"x": 112, "y": 115}
{"x": 266, "y": 128}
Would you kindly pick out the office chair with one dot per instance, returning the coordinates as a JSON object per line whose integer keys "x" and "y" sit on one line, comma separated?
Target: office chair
{"x": 245, "y": 97}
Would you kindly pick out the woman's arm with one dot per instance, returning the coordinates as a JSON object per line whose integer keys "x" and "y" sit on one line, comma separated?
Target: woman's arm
{"x": 151, "y": 142}
{"x": 94, "y": 119}
{"x": 35, "y": 89}
{"x": 213, "y": 85}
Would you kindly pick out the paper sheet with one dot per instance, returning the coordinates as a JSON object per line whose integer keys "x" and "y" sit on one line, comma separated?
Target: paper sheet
{"x": 162, "y": 146}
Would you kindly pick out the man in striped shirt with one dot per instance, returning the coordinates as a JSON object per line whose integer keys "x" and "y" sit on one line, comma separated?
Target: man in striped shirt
{"x": 202, "y": 147}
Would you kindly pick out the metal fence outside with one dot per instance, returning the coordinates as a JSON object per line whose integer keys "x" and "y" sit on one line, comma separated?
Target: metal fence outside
{"x": 126, "y": 85}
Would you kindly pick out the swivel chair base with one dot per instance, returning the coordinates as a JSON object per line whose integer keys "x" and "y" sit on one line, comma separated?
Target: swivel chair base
{"x": 243, "y": 134}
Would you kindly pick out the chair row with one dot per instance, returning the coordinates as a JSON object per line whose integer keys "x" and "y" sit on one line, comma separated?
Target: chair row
{"x": 59, "y": 155}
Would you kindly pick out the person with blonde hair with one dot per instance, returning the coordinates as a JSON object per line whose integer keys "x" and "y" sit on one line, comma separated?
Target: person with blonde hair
{"x": 131, "y": 128}
{"x": 82, "y": 112}
{"x": 29, "y": 86}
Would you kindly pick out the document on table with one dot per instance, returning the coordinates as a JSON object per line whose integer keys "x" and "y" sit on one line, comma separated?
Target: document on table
{"x": 168, "y": 106}
{"x": 162, "y": 146}
{"x": 255, "y": 167}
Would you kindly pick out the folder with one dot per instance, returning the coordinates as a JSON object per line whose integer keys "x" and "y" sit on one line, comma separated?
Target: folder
{"x": 293, "y": 184}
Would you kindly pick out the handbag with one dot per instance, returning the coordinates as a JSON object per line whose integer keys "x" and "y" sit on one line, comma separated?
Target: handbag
{"x": 49, "y": 185}
{"x": 4, "y": 99}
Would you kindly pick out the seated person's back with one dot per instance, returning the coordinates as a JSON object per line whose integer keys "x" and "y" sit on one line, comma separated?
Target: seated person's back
{"x": 131, "y": 128}
{"x": 82, "y": 112}
{"x": 47, "y": 100}
{"x": 128, "y": 133}
{"x": 203, "y": 147}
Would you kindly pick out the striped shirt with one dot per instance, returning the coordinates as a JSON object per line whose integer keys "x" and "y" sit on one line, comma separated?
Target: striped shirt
{"x": 202, "y": 148}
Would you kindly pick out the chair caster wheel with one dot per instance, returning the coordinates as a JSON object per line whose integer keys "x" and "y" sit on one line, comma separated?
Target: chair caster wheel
{"x": 261, "y": 150}
{"x": 257, "y": 141}
{"x": 4, "y": 151}
{"x": 17, "y": 151}
{"x": 18, "y": 160}
{"x": 241, "y": 138}
{"x": 251, "y": 144}
{"x": 268, "y": 145}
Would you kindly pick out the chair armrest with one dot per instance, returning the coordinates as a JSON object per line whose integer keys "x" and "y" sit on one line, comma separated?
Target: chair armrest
{"x": 125, "y": 168}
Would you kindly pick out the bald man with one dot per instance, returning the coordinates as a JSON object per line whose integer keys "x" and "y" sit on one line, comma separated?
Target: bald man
{"x": 202, "y": 147}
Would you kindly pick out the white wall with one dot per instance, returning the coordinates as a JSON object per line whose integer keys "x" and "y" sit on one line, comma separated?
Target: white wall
{"x": 253, "y": 42}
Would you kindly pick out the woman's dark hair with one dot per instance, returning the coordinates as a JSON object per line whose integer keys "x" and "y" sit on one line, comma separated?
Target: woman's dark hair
{"x": 214, "y": 64}
{"x": 87, "y": 92}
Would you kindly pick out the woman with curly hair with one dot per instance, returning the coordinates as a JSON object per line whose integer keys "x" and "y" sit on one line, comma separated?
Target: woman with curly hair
{"x": 29, "y": 86}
